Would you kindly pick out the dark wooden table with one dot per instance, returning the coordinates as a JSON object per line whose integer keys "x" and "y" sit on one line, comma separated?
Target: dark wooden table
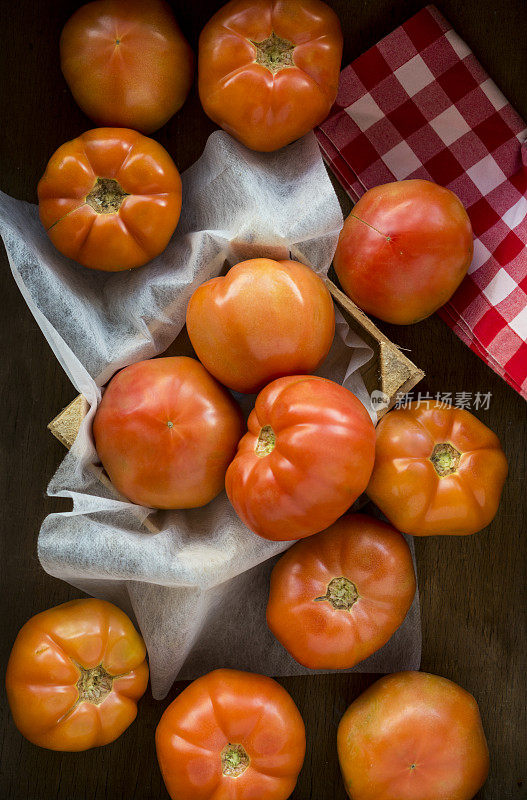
{"x": 472, "y": 589}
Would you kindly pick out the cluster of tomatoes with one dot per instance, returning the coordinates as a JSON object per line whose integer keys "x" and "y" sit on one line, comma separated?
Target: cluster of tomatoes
{"x": 170, "y": 434}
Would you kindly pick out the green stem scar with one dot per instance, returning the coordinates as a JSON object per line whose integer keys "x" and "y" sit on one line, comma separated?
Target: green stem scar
{"x": 266, "y": 441}
{"x": 341, "y": 593}
{"x": 445, "y": 459}
{"x": 274, "y": 53}
{"x": 94, "y": 684}
{"x": 107, "y": 196}
{"x": 234, "y": 760}
{"x": 388, "y": 238}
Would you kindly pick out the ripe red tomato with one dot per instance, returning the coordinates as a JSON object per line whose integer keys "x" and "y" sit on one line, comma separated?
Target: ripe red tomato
{"x": 412, "y": 736}
{"x": 268, "y": 71}
{"x": 404, "y": 250}
{"x": 338, "y": 596}
{"x": 166, "y": 431}
{"x": 75, "y": 675}
{"x": 263, "y": 320}
{"x": 437, "y": 471}
{"x": 110, "y": 199}
{"x": 231, "y": 735}
{"x": 307, "y": 456}
{"x": 127, "y": 62}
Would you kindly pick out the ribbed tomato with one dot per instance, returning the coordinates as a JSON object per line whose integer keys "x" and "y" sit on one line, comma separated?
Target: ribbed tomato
{"x": 75, "y": 675}
{"x": 307, "y": 456}
{"x": 166, "y": 431}
{"x": 338, "y": 596}
{"x": 437, "y": 471}
{"x": 110, "y": 199}
{"x": 263, "y": 320}
{"x": 231, "y": 735}
{"x": 127, "y": 62}
{"x": 269, "y": 70}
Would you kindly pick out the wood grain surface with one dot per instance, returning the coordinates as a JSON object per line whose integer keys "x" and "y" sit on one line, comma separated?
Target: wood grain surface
{"x": 473, "y": 592}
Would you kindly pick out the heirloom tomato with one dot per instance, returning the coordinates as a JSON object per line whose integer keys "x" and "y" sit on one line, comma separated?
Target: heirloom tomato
{"x": 412, "y": 736}
{"x": 307, "y": 456}
{"x": 437, "y": 471}
{"x": 110, "y": 199}
{"x": 166, "y": 431}
{"x": 404, "y": 250}
{"x": 126, "y": 62}
{"x": 75, "y": 675}
{"x": 231, "y": 735}
{"x": 263, "y": 320}
{"x": 338, "y": 596}
{"x": 268, "y": 71}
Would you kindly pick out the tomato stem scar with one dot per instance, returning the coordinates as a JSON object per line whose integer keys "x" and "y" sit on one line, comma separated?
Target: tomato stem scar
{"x": 94, "y": 684}
{"x": 266, "y": 441}
{"x": 445, "y": 459}
{"x": 274, "y": 53}
{"x": 234, "y": 760}
{"x": 107, "y": 196}
{"x": 388, "y": 238}
{"x": 341, "y": 593}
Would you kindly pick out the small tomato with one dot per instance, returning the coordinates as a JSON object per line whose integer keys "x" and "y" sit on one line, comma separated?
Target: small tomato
{"x": 437, "y": 471}
{"x": 75, "y": 675}
{"x": 412, "y": 736}
{"x": 231, "y": 734}
{"x": 338, "y": 596}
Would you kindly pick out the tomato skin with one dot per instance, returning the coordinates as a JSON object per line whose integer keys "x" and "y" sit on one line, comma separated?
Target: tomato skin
{"x": 263, "y": 320}
{"x": 140, "y": 228}
{"x": 43, "y": 672}
{"x": 266, "y": 110}
{"x": 410, "y": 256}
{"x": 411, "y": 736}
{"x": 406, "y": 486}
{"x": 165, "y": 432}
{"x": 363, "y": 550}
{"x": 320, "y": 463}
{"x": 238, "y": 708}
{"x": 126, "y": 63}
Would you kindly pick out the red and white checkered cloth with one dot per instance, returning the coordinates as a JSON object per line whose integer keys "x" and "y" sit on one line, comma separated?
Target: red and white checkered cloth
{"x": 419, "y": 105}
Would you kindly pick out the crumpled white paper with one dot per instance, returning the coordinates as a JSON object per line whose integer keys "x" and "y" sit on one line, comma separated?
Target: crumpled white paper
{"x": 197, "y": 589}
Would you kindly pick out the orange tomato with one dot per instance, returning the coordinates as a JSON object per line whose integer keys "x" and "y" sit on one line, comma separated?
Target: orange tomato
{"x": 437, "y": 471}
{"x": 126, "y": 62}
{"x": 412, "y": 736}
{"x": 404, "y": 250}
{"x": 307, "y": 456}
{"x": 75, "y": 675}
{"x": 263, "y": 320}
{"x": 338, "y": 596}
{"x": 165, "y": 432}
{"x": 110, "y": 199}
{"x": 268, "y": 70}
{"x": 231, "y": 735}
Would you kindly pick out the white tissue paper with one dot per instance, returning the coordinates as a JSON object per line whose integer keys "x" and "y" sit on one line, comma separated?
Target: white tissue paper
{"x": 198, "y": 588}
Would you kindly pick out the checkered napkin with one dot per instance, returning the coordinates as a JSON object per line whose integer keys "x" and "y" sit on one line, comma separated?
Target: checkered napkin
{"x": 419, "y": 105}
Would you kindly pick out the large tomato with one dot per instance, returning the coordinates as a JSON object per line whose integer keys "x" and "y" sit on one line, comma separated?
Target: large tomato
{"x": 307, "y": 456}
{"x": 413, "y": 736}
{"x": 437, "y": 471}
{"x": 110, "y": 199}
{"x": 165, "y": 432}
{"x": 269, "y": 70}
{"x": 127, "y": 62}
{"x": 263, "y": 320}
{"x": 404, "y": 250}
{"x": 231, "y": 735}
{"x": 75, "y": 675}
{"x": 337, "y": 597}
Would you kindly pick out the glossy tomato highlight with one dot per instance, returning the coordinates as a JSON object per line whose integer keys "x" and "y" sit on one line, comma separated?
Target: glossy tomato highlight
{"x": 166, "y": 431}
{"x": 75, "y": 675}
{"x": 308, "y": 454}
{"x": 263, "y": 320}
{"x": 404, "y": 250}
{"x": 412, "y": 736}
{"x": 338, "y": 596}
{"x": 110, "y": 199}
{"x": 127, "y": 62}
{"x": 268, "y": 71}
{"x": 231, "y": 734}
